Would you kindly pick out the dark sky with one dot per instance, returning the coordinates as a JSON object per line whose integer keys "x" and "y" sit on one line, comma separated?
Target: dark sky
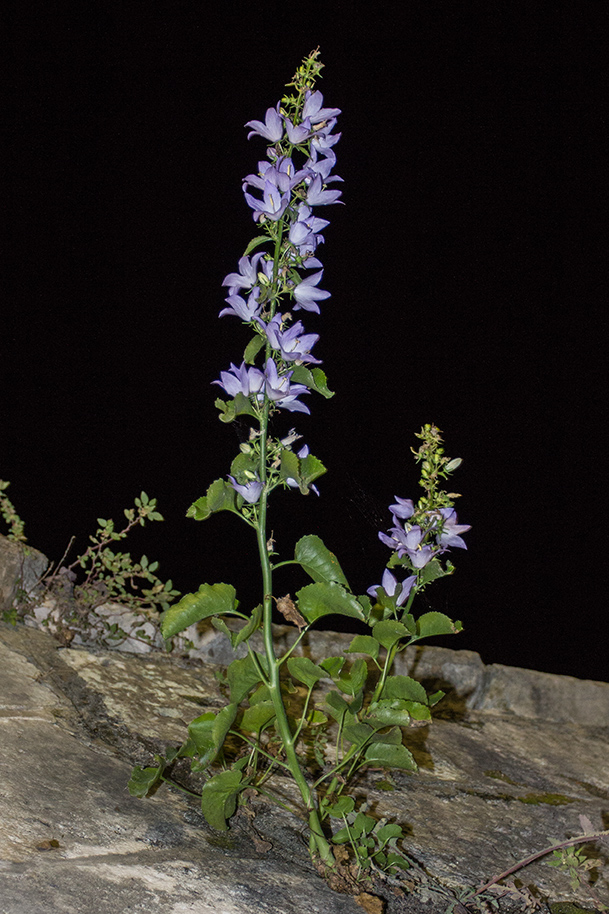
{"x": 465, "y": 272}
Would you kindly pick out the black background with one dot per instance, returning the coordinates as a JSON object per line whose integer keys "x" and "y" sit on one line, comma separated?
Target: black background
{"x": 465, "y": 272}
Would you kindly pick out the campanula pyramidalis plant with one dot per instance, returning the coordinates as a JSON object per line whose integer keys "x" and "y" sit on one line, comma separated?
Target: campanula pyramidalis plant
{"x": 282, "y": 709}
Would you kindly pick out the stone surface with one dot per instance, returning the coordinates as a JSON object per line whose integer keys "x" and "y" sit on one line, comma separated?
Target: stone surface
{"x": 499, "y": 779}
{"x": 21, "y": 567}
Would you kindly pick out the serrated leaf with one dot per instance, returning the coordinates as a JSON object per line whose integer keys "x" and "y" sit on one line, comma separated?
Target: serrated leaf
{"x": 435, "y": 623}
{"x": 313, "y": 378}
{"x": 389, "y": 633}
{"x": 304, "y": 670}
{"x": 336, "y": 704}
{"x": 219, "y": 798}
{"x": 404, "y": 687}
{"x": 319, "y": 563}
{"x": 333, "y": 666}
{"x": 386, "y": 832}
{"x": 432, "y": 571}
{"x": 364, "y": 644}
{"x": 388, "y": 713}
{"x": 220, "y": 497}
{"x": 325, "y": 599}
{"x": 240, "y": 405}
{"x": 209, "y": 600}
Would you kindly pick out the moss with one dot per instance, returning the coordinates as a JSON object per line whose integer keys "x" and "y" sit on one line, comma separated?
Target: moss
{"x": 551, "y": 799}
{"x": 500, "y": 776}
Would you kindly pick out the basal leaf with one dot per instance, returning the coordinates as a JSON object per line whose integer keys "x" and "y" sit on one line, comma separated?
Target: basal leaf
{"x": 390, "y": 756}
{"x": 242, "y": 676}
{"x": 364, "y": 644}
{"x": 353, "y": 681}
{"x": 219, "y": 798}
{"x": 248, "y": 629}
{"x": 342, "y": 807}
{"x": 209, "y": 600}
{"x": 257, "y": 716}
{"x": 143, "y": 779}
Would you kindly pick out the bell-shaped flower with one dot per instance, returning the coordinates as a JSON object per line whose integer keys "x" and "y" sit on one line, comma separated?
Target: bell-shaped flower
{"x": 271, "y": 129}
{"x": 246, "y": 277}
{"x": 242, "y": 380}
{"x": 247, "y": 311}
{"x": 281, "y": 392}
{"x": 390, "y": 583}
{"x": 317, "y": 196}
{"x": 293, "y": 343}
{"x": 314, "y": 110}
{"x": 450, "y": 530}
{"x": 298, "y": 133}
{"x": 250, "y": 491}
{"x": 403, "y": 509}
{"x": 307, "y": 295}
{"x": 273, "y": 204}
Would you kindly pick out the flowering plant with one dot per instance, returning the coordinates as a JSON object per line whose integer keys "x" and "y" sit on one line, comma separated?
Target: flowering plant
{"x": 271, "y": 713}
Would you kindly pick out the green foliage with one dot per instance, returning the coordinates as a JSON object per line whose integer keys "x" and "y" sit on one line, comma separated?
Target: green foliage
{"x": 14, "y": 523}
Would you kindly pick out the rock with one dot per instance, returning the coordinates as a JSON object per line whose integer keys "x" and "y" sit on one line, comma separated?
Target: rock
{"x": 494, "y": 785}
{"x": 21, "y": 568}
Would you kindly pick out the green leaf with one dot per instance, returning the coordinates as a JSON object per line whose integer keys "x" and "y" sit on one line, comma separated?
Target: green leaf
{"x": 318, "y": 562}
{"x": 404, "y": 687}
{"x": 220, "y": 497}
{"x": 390, "y": 756}
{"x": 255, "y": 243}
{"x": 386, "y": 832}
{"x": 252, "y": 626}
{"x": 257, "y": 716}
{"x": 333, "y": 666}
{"x": 304, "y": 670}
{"x": 243, "y": 675}
{"x": 143, "y": 779}
{"x": 388, "y": 713}
{"x": 209, "y": 600}
{"x": 314, "y": 379}
{"x": 364, "y": 644}
{"x": 355, "y": 679}
{"x": 290, "y": 465}
{"x": 239, "y": 406}
{"x": 244, "y": 467}
{"x": 389, "y": 633}
{"x": 357, "y": 733}
{"x": 362, "y": 825}
{"x": 336, "y": 704}
{"x": 219, "y": 798}
{"x": 253, "y": 348}
{"x": 317, "y": 600}
{"x": 432, "y": 571}
{"x": 434, "y": 623}
{"x": 342, "y": 807}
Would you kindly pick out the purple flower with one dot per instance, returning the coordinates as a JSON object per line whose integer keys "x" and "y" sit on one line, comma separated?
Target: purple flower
{"x": 281, "y": 392}
{"x": 250, "y": 492}
{"x": 298, "y": 133}
{"x": 317, "y": 196}
{"x": 409, "y": 542}
{"x": 307, "y": 295}
{"x": 403, "y": 509}
{"x": 246, "y": 277}
{"x": 242, "y": 380}
{"x": 449, "y": 535}
{"x": 390, "y": 583}
{"x": 294, "y": 344}
{"x": 271, "y": 129}
{"x": 313, "y": 108}
{"x": 247, "y": 311}
{"x": 272, "y": 206}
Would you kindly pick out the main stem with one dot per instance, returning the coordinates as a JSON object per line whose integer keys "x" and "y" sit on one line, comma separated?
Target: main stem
{"x": 318, "y": 844}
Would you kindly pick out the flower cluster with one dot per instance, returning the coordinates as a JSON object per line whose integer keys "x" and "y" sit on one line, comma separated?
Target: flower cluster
{"x": 432, "y": 533}
{"x": 282, "y": 196}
